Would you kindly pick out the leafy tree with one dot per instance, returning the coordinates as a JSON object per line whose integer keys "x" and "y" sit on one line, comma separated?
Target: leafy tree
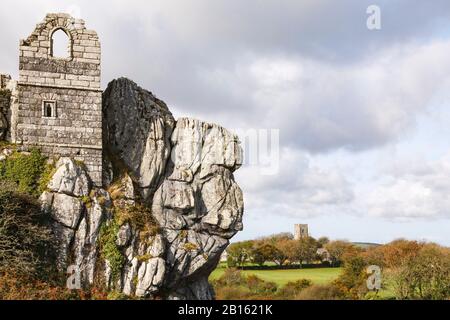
{"x": 337, "y": 249}
{"x": 322, "y": 241}
{"x": 271, "y": 253}
{"x": 257, "y": 254}
{"x": 307, "y": 250}
{"x": 352, "y": 281}
{"x": 276, "y": 236}
{"x": 239, "y": 253}
{"x": 425, "y": 275}
{"x": 399, "y": 251}
{"x": 287, "y": 251}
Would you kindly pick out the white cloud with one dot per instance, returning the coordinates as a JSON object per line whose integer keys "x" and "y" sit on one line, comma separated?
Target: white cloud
{"x": 320, "y": 106}
{"x": 300, "y": 189}
{"x": 415, "y": 191}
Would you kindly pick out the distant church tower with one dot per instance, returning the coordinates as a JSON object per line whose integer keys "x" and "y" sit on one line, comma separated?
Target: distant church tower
{"x": 300, "y": 231}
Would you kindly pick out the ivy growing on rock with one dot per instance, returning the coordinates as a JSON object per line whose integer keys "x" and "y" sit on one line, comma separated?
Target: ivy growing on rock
{"x": 109, "y": 249}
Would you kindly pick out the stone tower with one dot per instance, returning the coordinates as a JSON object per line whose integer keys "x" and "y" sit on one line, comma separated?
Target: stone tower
{"x": 59, "y": 99}
{"x": 300, "y": 231}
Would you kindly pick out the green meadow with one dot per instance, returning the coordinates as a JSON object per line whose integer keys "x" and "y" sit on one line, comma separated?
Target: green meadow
{"x": 281, "y": 277}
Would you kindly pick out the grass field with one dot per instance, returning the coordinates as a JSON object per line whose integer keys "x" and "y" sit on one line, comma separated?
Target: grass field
{"x": 281, "y": 277}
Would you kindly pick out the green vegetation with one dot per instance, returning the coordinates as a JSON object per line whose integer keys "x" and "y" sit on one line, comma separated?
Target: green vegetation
{"x": 109, "y": 249}
{"x": 409, "y": 269}
{"x": 46, "y": 176}
{"x": 282, "y": 277}
{"x": 136, "y": 215}
{"x": 423, "y": 274}
{"x": 25, "y": 238}
{"x": 280, "y": 249}
{"x": 87, "y": 201}
{"x": 115, "y": 295}
{"x": 139, "y": 217}
{"x": 236, "y": 284}
{"x": 25, "y": 170}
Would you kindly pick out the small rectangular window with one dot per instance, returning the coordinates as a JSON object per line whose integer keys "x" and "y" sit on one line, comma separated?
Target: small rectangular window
{"x": 49, "y": 109}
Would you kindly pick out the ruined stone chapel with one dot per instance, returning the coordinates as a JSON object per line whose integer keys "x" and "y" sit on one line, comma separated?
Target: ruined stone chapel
{"x": 56, "y": 104}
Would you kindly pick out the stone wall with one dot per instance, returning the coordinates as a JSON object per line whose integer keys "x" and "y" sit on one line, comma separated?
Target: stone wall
{"x": 72, "y": 84}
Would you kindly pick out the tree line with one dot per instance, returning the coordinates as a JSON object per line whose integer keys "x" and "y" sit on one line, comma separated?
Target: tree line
{"x": 410, "y": 269}
{"x": 281, "y": 249}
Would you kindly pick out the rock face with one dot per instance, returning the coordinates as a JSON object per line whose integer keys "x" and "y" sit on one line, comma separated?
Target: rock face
{"x": 137, "y": 128}
{"x": 169, "y": 204}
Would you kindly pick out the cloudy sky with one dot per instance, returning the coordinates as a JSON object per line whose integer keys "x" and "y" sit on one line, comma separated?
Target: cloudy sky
{"x": 363, "y": 115}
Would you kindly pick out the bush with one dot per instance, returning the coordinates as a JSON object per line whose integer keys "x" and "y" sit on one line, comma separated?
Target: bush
{"x": 234, "y": 285}
{"x": 26, "y": 242}
{"x": 321, "y": 292}
{"x": 231, "y": 263}
{"x": 19, "y": 287}
{"x": 24, "y": 170}
{"x": 45, "y": 177}
{"x": 259, "y": 286}
{"x": 239, "y": 253}
{"x": 109, "y": 249}
{"x": 425, "y": 275}
{"x": 291, "y": 289}
{"x": 231, "y": 277}
{"x": 352, "y": 281}
{"x": 231, "y": 293}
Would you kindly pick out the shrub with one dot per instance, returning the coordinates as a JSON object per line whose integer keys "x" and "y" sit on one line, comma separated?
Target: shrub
{"x": 425, "y": 275}
{"x": 234, "y": 285}
{"x": 20, "y": 287}
{"x": 24, "y": 170}
{"x": 26, "y": 241}
{"x": 139, "y": 217}
{"x": 115, "y": 295}
{"x": 46, "y": 176}
{"x": 259, "y": 286}
{"x": 231, "y": 293}
{"x": 321, "y": 292}
{"x": 109, "y": 249}
{"x": 231, "y": 263}
{"x": 231, "y": 277}
{"x": 291, "y": 289}
{"x": 352, "y": 281}
{"x": 239, "y": 253}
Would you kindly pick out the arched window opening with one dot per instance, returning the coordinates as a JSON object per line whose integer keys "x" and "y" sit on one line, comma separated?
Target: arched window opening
{"x": 60, "y": 44}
